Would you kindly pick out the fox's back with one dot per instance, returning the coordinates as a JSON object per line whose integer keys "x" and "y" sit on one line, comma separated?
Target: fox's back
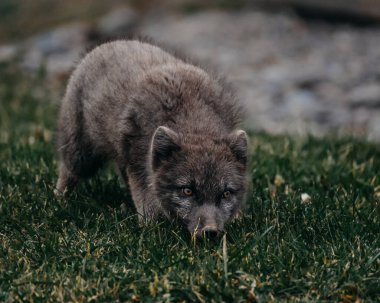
{"x": 103, "y": 82}
{"x": 118, "y": 63}
{"x": 122, "y": 81}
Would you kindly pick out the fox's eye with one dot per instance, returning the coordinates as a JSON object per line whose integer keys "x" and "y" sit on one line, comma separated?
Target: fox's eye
{"x": 187, "y": 191}
{"x": 226, "y": 194}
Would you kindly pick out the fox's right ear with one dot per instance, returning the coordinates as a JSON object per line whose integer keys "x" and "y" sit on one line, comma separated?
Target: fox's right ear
{"x": 238, "y": 142}
{"x": 164, "y": 142}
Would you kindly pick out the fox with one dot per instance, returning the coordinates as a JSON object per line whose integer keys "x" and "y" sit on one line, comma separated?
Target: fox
{"x": 170, "y": 127}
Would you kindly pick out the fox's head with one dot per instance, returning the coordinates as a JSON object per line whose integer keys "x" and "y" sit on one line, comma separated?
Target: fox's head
{"x": 201, "y": 181}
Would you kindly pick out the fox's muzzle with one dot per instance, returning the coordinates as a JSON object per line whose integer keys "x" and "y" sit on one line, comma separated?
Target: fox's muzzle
{"x": 206, "y": 221}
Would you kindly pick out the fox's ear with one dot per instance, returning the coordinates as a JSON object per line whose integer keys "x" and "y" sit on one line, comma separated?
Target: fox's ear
{"x": 164, "y": 142}
{"x": 238, "y": 142}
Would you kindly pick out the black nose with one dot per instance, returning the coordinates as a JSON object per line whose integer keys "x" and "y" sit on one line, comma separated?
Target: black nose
{"x": 210, "y": 233}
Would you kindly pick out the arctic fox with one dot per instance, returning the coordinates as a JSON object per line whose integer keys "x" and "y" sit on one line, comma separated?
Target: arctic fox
{"x": 170, "y": 127}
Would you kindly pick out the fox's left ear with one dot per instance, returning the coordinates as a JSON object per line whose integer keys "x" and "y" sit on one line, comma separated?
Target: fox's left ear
{"x": 238, "y": 142}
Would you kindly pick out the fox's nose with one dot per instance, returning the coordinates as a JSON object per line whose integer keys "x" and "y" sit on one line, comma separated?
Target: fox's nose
{"x": 210, "y": 233}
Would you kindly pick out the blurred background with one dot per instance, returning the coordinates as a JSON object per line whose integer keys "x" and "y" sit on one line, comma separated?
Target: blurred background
{"x": 299, "y": 66}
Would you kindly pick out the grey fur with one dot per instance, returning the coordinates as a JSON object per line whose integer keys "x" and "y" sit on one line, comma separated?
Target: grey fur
{"x": 166, "y": 123}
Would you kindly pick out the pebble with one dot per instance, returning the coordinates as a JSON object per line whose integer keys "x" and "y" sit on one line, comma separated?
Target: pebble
{"x": 8, "y": 52}
{"x": 117, "y": 23}
{"x": 305, "y": 198}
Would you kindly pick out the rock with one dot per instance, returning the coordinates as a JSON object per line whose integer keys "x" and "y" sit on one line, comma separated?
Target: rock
{"x": 8, "y": 52}
{"x": 305, "y": 198}
{"x": 374, "y": 128}
{"x": 365, "y": 95}
{"x": 61, "y": 48}
{"x": 58, "y": 49}
{"x": 302, "y": 104}
{"x": 117, "y": 23}
{"x": 358, "y": 11}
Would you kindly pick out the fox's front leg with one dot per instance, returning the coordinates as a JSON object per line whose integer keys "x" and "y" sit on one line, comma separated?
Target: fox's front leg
{"x": 145, "y": 201}
{"x": 66, "y": 181}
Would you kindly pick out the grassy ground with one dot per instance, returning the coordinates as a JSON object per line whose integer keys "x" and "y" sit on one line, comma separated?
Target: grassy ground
{"x": 88, "y": 248}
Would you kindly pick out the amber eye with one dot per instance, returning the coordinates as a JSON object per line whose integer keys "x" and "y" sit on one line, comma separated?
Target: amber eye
{"x": 187, "y": 191}
{"x": 226, "y": 194}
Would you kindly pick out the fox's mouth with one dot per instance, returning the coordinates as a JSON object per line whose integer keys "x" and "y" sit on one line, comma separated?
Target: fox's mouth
{"x": 207, "y": 231}
{"x": 207, "y": 234}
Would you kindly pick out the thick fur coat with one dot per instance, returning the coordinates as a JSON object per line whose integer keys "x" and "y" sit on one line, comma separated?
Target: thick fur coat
{"x": 170, "y": 127}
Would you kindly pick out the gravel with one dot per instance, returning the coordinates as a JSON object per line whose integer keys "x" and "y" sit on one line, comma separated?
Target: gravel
{"x": 293, "y": 76}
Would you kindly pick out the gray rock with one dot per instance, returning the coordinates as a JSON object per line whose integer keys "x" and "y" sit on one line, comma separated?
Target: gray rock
{"x": 374, "y": 128}
{"x": 301, "y": 104}
{"x": 118, "y": 22}
{"x": 8, "y": 52}
{"x": 58, "y": 49}
{"x": 365, "y": 95}
{"x": 358, "y": 9}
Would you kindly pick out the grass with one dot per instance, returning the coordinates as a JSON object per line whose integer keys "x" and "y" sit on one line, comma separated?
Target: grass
{"x": 89, "y": 248}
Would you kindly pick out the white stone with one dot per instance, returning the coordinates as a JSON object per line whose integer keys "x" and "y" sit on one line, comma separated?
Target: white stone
{"x": 305, "y": 198}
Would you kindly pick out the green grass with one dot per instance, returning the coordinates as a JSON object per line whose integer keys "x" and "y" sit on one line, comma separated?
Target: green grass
{"x": 89, "y": 248}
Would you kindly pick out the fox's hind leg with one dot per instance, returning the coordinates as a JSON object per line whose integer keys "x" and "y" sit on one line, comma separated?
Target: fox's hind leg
{"x": 79, "y": 158}
{"x": 77, "y": 166}
{"x": 77, "y": 161}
